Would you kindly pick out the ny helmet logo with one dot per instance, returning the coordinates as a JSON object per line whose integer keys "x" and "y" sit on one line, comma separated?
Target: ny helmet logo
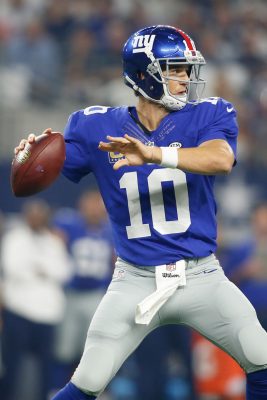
{"x": 142, "y": 43}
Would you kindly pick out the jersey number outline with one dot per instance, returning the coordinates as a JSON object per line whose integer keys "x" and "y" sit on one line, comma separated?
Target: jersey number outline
{"x": 137, "y": 229}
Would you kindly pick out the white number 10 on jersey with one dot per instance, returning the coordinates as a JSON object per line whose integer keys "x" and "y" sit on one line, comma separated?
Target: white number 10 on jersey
{"x": 137, "y": 229}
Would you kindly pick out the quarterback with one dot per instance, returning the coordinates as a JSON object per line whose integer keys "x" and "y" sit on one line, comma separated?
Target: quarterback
{"x": 155, "y": 165}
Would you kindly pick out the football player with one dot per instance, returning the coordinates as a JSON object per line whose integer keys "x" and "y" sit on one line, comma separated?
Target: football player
{"x": 156, "y": 173}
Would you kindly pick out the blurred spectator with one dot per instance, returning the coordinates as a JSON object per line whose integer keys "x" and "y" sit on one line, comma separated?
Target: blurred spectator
{"x": 247, "y": 260}
{"x": 82, "y": 67}
{"x": 59, "y": 21}
{"x": 36, "y": 51}
{"x": 16, "y": 14}
{"x": 252, "y": 273}
{"x": 88, "y": 238}
{"x": 116, "y": 35}
{"x": 35, "y": 265}
{"x": 259, "y": 226}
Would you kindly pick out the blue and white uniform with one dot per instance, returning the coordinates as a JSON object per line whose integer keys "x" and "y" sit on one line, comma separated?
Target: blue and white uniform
{"x": 149, "y": 204}
{"x": 159, "y": 216}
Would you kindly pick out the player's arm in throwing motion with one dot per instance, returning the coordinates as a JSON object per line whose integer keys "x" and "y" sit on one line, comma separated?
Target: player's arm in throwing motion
{"x": 211, "y": 157}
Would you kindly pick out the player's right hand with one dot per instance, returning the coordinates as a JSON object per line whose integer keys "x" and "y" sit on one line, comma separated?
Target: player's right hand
{"x": 31, "y": 139}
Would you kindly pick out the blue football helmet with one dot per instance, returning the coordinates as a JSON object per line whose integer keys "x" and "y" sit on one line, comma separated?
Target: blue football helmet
{"x": 148, "y": 57}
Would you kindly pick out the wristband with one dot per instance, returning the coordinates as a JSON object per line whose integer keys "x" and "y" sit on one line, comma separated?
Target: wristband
{"x": 169, "y": 157}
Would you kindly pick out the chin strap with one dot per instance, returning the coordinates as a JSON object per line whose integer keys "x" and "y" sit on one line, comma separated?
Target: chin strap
{"x": 173, "y": 104}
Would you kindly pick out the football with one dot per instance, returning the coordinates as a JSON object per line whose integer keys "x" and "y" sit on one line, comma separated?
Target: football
{"x": 36, "y": 166}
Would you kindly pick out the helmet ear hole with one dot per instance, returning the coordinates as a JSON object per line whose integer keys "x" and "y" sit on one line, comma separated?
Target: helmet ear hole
{"x": 140, "y": 75}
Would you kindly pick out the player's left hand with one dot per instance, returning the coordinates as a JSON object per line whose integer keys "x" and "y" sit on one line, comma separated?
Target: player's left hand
{"x": 135, "y": 152}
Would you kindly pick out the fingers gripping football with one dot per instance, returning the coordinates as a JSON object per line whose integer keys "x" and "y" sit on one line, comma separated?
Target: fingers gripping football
{"x": 37, "y": 163}
{"x": 31, "y": 139}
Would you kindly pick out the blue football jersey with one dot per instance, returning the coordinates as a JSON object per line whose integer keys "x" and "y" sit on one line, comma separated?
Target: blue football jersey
{"x": 158, "y": 215}
{"x": 90, "y": 248}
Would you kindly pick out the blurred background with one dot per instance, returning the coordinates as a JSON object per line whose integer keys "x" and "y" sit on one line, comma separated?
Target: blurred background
{"x": 57, "y": 56}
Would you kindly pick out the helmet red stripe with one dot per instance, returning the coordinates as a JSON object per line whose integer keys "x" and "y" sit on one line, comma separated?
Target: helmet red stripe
{"x": 187, "y": 39}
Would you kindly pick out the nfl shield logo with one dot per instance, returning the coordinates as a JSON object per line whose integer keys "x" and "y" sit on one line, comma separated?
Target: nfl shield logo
{"x": 171, "y": 267}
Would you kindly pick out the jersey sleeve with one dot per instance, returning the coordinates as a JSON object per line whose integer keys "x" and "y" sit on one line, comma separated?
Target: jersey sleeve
{"x": 78, "y": 153}
{"x": 223, "y": 125}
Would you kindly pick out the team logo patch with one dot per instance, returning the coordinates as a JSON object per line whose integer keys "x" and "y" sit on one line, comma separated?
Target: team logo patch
{"x": 115, "y": 156}
{"x": 176, "y": 144}
{"x": 171, "y": 267}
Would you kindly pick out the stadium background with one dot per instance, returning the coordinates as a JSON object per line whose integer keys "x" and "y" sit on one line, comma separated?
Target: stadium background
{"x": 59, "y": 56}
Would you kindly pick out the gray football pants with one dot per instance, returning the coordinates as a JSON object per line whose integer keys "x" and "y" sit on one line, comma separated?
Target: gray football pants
{"x": 209, "y": 303}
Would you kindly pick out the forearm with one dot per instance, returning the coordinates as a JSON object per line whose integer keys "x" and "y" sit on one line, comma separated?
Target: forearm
{"x": 206, "y": 160}
{"x": 209, "y": 158}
